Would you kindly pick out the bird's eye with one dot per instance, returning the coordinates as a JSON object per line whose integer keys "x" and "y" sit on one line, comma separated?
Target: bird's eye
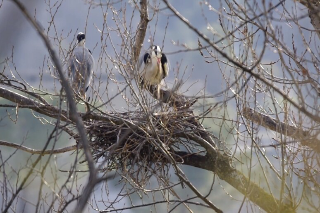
{"x": 146, "y": 58}
{"x": 80, "y": 37}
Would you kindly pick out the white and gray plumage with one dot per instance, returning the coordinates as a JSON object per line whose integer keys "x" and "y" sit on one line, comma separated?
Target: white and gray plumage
{"x": 153, "y": 67}
{"x": 81, "y": 66}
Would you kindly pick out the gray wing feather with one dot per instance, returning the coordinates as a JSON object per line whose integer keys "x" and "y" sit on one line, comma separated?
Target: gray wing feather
{"x": 141, "y": 65}
{"x": 81, "y": 66}
{"x": 165, "y": 65}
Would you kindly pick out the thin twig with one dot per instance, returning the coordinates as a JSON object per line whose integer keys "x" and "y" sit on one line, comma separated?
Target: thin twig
{"x": 241, "y": 66}
{"x": 72, "y": 110}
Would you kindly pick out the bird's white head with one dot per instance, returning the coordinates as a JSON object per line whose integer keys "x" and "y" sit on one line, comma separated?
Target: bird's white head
{"x": 81, "y": 37}
{"x": 156, "y": 52}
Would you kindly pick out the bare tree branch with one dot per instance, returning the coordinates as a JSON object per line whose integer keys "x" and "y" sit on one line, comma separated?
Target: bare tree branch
{"x": 313, "y": 8}
{"x": 236, "y": 179}
{"x": 141, "y": 32}
{"x": 26, "y": 102}
{"x": 34, "y": 151}
{"x": 273, "y": 124}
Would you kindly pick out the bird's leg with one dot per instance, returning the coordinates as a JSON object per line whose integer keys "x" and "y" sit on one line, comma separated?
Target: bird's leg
{"x": 154, "y": 90}
{"x": 87, "y": 107}
{"x": 158, "y": 92}
{"x": 83, "y": 96}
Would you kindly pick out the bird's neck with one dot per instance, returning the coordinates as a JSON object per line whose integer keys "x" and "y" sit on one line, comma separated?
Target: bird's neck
{"x": 81, "y": 43}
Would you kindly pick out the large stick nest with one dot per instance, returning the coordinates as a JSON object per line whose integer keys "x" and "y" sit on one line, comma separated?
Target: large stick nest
{"x": 143, "y": 141}
{"x": 135, "y": 135}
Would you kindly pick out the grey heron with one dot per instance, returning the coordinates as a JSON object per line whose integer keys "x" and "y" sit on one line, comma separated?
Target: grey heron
{"x": 153, "y": 67}
{"x": 80, "y": 66}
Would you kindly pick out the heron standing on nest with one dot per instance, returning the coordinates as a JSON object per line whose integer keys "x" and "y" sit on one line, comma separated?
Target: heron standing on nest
{"x": 153, "y": 67}
{"x": 80, "y": 67}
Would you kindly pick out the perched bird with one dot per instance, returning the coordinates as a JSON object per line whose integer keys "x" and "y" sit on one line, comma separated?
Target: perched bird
{"x": 153, "y": 67}
{"x": 80, "y": 66}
